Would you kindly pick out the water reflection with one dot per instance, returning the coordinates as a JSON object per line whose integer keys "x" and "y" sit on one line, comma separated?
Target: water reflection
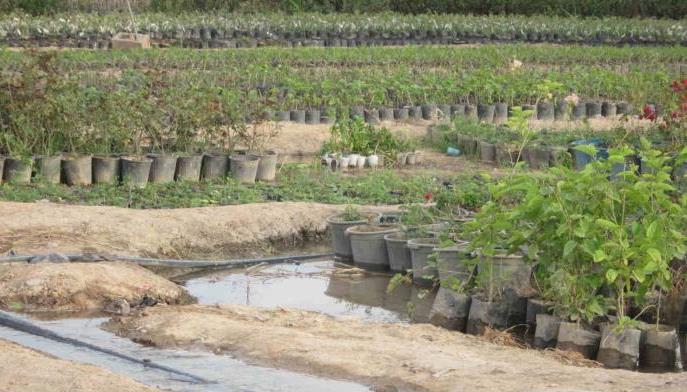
{"x": 319, "y": 286}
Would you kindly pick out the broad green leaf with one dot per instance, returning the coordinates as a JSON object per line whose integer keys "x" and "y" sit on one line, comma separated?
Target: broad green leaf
{"x": 654, "y": 254}
{"x": 611, "y": 275}
{"x": 599, "y": 256}
{"x": 606, "y": 224}
{"x": 569, "y": 248}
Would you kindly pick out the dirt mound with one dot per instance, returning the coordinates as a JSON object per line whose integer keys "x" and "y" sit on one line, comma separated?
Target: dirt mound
{"x": 82, "y": 286}
{"x": 27, "y": 370}
{"x": 387, "y": 356}
{"x": 177, "y": 233}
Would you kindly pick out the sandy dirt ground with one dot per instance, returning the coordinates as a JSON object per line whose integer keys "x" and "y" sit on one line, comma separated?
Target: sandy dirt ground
{"x": 177, "y": 233}
{"x": 82, "y": 286}
{"x": 26, "y": 370}
{"x": 386, "y": 356}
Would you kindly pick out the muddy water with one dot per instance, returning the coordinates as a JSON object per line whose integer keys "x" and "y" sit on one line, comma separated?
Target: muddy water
{"x": 320, "y": 286}
{"x": 227, "y": 373}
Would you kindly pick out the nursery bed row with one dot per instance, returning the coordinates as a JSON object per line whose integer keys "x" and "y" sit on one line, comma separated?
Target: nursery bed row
{"x": 488, "y": 113}
{"x": 211, "y": 27}
{"x": 419, "y": 251}
{"x": 138, "y": 171}
{"x": 497, "y": 57}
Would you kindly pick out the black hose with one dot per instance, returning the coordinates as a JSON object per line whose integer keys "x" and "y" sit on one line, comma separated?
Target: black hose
{"x": 151, "y": 262}
{"x": 7, "y": 320}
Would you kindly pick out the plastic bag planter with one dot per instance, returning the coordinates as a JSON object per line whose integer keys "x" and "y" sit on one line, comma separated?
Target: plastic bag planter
{"x": 48, "y": 168}
{"x": 17, "y": 170}
{"x": 581, "y": 159}
{"x": 106, "y": 169}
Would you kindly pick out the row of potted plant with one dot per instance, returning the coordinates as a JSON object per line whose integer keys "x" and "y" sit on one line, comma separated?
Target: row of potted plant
{"x": 206, "y": 26}
{"x": 171, "y": 102}
{"x": 495, "y": 57}
{"x": 138, "y": 171}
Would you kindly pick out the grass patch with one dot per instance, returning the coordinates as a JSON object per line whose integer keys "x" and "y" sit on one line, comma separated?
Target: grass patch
{"x": 295, "y": 183}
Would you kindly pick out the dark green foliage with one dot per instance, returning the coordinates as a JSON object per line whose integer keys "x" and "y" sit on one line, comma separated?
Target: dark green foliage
{"x": 598, "y": 8}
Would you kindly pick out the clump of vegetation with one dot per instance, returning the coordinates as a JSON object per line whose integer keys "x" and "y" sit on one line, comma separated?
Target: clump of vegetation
{"x": 355, "y": 136}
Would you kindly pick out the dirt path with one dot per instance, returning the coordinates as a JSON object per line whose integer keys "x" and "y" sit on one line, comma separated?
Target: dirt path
{"x": 26, "y": 370}
{"x": 49, "y": 227}
{"x": 82, "y": 286}
{"x": 386, "y": 356}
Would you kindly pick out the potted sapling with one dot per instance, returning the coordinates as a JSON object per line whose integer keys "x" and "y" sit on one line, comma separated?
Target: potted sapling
{"x": 338, "y": 225}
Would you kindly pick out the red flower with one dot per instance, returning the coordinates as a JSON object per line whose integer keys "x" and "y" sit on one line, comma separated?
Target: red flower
{"x": 648, "y": 113}
{"x": 428, "y": 196}
{"x": 675, "y": 115}
{"x": 676, "y": 86}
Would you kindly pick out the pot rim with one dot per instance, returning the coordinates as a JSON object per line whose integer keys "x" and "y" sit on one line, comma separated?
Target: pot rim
{"x": 387, "y": 229}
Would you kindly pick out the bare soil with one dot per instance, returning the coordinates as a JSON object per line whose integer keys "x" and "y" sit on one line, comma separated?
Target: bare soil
{"x": 82, "y": 286}
{"x": 30, "y": 228}
{"x": 26, "y": 370}
{"x": 385, "y": 356}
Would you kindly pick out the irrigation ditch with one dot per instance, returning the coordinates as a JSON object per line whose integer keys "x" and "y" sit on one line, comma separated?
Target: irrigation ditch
{"x": 311, "y": 282}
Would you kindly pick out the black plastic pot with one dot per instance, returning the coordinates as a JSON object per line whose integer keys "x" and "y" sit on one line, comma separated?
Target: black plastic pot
{"x": 536, "y": 306}
{"x": 608, "y": 109}
{"x": 356, "y": 112}
{"x": 659, "y": 349}
{"x": 17, "y": 171}
{"x": 429, "y": 112}
{"x": 162, "y": 168}
{"x": 452, "y": 263}
{"x": 457, "y": 110}
{"x": 312, "y": 116}
{"x": 579, "y": 112}
{"x": 487, "y": 152}
{"x": 48, "y": 168}
{"x": 444, "y": 111}
{"x": 560, "y": 111}
{"x": 244, "y": 168}
{"x": 398, "y": 252}
{"x": 340, "y": 240}
{"x": 450, "y": 310}
{"x": 574, "y": 337}
{"x": 284, "y": 115}
{"x": 485, "y": 113}
{"x": 546, "y": 332}
{"x": 135, "y": 171}
{"x": 188, "y": 168}
{"x": 486, "y": 314}
{"x": 2, "y": 167}
{"x": 415, "y": 112}
{"x": 401, "y": 114}
{"x": 619, "y": 349}
{"x": 471, "y": 111}
{"x": 624, "y": 108}
{"x": 214, "y": 166}
{"x": 545, "y": 111}
{"x": 532, "y": 108}
{"x": 372, "y": 116}
{"x": 297, "y": 116}
{"x": 77, "y": 169}
{"x": 369, "y": 247}
{"x": 386, "y": 114}
{"x": 420, "y": 250}
{"x": 500, "y": 113}
{"x": 593, "y": 109}
{"x": 267, "y": 166}
{"x": 106, "y": 169}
